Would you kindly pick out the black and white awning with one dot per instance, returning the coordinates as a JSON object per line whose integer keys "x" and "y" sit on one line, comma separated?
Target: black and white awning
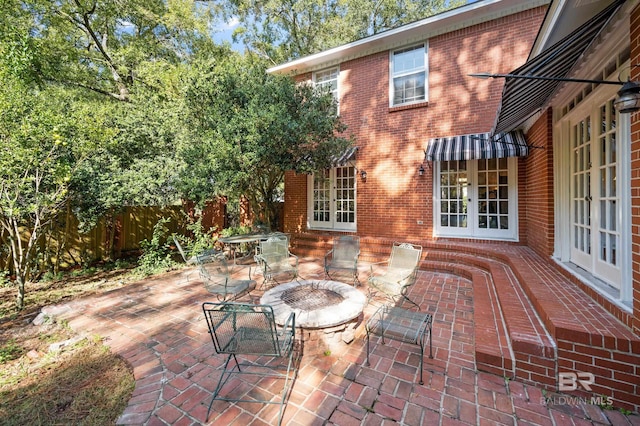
{"x": 477, "y": 146}
{"x": 345, "y": 157}
{"x": 522, "y": 98}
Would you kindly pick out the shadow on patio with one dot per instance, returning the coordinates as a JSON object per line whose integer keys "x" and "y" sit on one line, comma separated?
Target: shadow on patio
{"x": 157, "y": 325}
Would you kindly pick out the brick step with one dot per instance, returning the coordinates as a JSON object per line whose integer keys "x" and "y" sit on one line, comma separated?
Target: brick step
{"x": 504, "y": 318}
{"x": 589, "y": 339}
{"x": 493, "y": 351}
{"x": 553, "y": 325}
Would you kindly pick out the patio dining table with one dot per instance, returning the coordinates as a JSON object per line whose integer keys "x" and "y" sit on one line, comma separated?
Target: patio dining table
{"x": 236, "y": 240}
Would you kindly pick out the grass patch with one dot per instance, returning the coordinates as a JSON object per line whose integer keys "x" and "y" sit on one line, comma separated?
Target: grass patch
{"x": 81, "y": 383}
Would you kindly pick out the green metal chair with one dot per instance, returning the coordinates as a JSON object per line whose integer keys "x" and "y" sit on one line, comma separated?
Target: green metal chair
{"x": 343, "y": 256}
{"x": 401, "y": 272}
{"x": 249, "y": 332}
{"x": 218, "y": 280}
{"x": 274, "y": 258}
{"x": 216, "y": 275}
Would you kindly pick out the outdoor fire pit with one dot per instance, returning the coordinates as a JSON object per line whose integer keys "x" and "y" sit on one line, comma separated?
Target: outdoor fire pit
{"x": 317, "y": 303}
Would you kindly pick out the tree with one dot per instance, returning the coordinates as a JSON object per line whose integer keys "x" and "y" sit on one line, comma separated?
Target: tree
{"x": 110, "y": 46}
{"x": 249, "y": 128}
{"x": 88, "y": 112}
{"x": 36, "y": 164}
{"x": 281, "y": 30}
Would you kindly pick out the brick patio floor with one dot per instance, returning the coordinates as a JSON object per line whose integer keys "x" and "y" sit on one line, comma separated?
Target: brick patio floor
{"x": 158, "y": 327}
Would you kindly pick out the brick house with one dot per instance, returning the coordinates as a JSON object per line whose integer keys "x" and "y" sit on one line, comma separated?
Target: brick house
{"x": 529, "y": 188}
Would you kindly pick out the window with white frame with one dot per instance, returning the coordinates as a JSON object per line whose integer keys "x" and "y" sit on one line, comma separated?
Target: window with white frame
{"x": 476, "y": 198}
{"x": 328, "y": 80}
{"x": 332, "y": 199}
{"x": 408, "y": 73}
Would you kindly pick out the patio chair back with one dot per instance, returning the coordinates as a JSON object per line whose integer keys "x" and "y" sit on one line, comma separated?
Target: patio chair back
{"x": 401, "y": 272}
{"x": 404, "y": 257}
{"x": 343, "y": 256}
{"x": 346, "y": 248}
{"x": 275, "y": 258}
{"x": 205, "y": 256}
{"x": 275, "y": 248}
{"x": 241, "y": 330}
{"x": 247, "y": 329}
{"x": 217, "y": 279}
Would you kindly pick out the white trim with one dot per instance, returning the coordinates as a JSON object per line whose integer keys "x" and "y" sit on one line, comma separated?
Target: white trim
{"x": 562, "y": 184}
{"x": 332, "y": 224}
{"x": 624, "y": 174}
{"x": 337, "y": 95}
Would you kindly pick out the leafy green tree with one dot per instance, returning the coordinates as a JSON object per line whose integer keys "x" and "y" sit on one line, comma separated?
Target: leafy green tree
{"x": 249, "y": 128}
{"x": 89, "y": 110}
{"x": 37, "y": 160}
{"x": 110, "y": 46}
{"x": 282, "y": 30}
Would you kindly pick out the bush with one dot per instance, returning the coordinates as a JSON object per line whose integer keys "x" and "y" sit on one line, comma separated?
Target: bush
{"x": 156, "y": 255}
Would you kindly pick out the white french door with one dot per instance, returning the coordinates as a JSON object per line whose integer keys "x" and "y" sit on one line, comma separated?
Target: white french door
{"x": 595, "y": 204}
{"x": 332, "y": 199}
{"x": 476, "y": 198}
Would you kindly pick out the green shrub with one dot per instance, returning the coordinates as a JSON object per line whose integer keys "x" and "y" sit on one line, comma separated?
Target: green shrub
{"x": 156, "y": 256}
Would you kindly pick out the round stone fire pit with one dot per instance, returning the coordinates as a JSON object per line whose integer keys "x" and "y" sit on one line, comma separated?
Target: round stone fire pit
{"x": 317, "y": 303}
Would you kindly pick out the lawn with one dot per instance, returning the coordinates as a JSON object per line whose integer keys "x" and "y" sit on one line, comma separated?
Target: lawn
{"x": 50, "y": 375}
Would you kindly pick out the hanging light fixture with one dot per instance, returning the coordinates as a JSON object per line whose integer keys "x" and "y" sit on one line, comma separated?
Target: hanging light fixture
{"x": 628, "y": 99}
{"x": 421, "y": 170}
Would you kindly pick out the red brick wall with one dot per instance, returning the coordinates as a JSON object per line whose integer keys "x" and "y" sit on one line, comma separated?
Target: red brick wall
{"x": 395, "y": 201}
{"x": 536, "y": 202}
{"x": 635, "y": 171}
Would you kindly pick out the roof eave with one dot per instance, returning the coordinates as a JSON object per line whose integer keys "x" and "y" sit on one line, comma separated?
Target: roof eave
{"x": 451, "y": 20}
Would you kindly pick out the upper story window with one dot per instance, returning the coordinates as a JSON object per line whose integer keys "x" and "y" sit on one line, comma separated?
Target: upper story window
{"x": 408, "y": 75}
{"x": 328, "y": 80}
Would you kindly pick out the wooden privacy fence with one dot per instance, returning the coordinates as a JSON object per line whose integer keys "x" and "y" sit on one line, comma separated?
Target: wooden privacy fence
{"x": 62, "y": 245}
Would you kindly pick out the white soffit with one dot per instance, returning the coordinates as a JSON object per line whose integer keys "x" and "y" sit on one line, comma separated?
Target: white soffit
{"x": 442, "y": 23}
{"x": 562, "y": 18}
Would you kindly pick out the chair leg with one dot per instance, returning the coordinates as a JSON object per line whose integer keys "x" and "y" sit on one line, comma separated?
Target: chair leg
{"x": 224, "y": 376}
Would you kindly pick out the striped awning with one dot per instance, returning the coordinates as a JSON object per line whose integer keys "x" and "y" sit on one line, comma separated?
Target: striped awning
{"x": 522, "y": 98}
{"x": 344, "y": 157}
{"x": 477, "y": 146}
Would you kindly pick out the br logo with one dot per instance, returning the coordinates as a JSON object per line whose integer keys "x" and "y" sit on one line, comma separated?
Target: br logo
{"x": 568, "y": 381}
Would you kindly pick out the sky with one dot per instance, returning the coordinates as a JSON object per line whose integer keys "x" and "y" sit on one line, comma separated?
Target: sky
{"x": 225, "y": 31}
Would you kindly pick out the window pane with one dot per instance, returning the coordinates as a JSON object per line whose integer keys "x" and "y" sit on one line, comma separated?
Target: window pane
{"x": 408, "y": 60}
{"x": 408, "y": 88}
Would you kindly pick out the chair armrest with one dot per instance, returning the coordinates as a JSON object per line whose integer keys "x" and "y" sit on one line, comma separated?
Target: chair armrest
{"x": 291, "y": 321}
{"x": 384, "y": 262}
{"x": 326, "y": 256}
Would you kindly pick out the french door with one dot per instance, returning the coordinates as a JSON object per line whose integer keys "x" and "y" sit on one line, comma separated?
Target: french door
{"x": 476, "y": 198}
{"x": 595, "y": 204}
{"x": 332, "y": 199}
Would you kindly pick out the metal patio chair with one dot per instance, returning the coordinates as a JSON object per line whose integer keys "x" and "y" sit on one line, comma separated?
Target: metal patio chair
{"x": 249, "y": 332}
{"x": 401, "y": 272}
{"x": 203, "y": 257}
{"x": 216, "y": 275}
{"x": 343, "y": 256}
{"x": 218, "y": 280}
{"x": 274, "y": 258}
